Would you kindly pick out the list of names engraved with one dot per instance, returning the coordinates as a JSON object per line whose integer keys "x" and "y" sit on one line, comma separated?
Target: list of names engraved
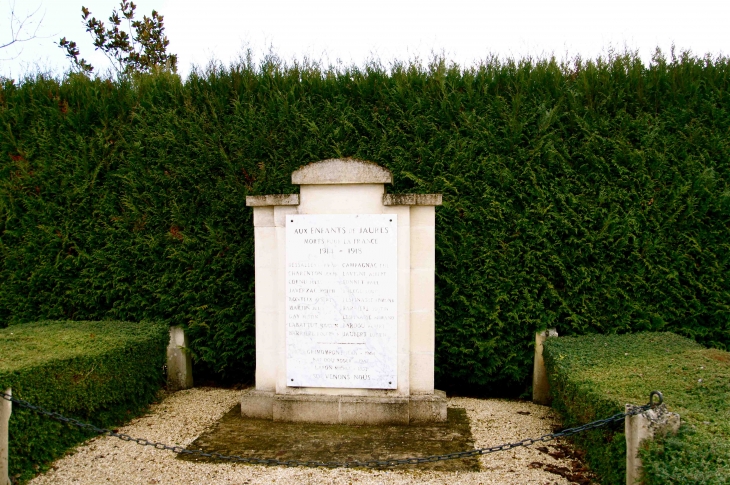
{"x": 341, "y": 305}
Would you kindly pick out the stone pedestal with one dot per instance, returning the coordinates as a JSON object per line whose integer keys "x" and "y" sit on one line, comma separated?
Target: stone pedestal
{"x": 344, "y": 300}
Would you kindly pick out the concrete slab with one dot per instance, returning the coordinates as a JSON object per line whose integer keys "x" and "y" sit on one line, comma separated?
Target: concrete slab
{"x": 428, "y": 408}
{"x": 309, "y": 409}
{"x": 262, "y": 438}
{"x": 257, "y": 404}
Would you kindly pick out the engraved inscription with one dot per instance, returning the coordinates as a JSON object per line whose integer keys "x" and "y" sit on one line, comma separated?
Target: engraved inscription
{"x": 341, "y": 306}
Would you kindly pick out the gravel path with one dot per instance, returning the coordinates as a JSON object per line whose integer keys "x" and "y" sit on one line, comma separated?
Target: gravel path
{"x": 180, "y": 417}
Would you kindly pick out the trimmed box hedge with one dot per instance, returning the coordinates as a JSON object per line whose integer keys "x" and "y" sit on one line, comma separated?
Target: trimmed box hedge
{"x": 594, "y": 376}
{"x": 99, "y": 372}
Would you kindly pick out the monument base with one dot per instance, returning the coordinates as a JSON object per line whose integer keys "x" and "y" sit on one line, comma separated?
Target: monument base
{"x": 311, "y": 408}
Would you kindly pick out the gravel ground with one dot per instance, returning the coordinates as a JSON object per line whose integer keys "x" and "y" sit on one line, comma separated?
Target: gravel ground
{"x": 180, "y": 417}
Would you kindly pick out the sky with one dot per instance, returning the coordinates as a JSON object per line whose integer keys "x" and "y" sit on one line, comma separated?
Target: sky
{"x": 356, "y": 31}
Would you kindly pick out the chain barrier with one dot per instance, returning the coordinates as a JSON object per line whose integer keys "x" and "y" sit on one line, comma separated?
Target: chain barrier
{"x": 346, "y": 464}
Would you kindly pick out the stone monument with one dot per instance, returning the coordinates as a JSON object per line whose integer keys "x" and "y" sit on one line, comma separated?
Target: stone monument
{"x": 344, "y": 300}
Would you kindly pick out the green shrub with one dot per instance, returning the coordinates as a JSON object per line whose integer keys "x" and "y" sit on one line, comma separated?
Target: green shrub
{"x": 99, "y": 372}
{"x": 593, "y": 376}
{"x": 592, "y": 196}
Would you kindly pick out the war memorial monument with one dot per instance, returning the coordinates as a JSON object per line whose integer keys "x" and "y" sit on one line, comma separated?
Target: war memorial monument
{"x": 344, "y": 300}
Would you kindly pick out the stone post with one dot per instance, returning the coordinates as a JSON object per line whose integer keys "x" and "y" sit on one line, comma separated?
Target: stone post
{"x": 6, "y": 408}
{"x": 645, "y": 426}
{"x": 540, "y": 386}
{"x": 179, "y": 363}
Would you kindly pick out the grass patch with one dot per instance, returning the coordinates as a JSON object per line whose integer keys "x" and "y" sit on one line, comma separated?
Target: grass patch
{"x": 100, "y": 372}
{"x": 594, "y": 376}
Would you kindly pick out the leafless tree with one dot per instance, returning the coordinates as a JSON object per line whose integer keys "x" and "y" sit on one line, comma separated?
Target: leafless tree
{"x": 22, "y": 28}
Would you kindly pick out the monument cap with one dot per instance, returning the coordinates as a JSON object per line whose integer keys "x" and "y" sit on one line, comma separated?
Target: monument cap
{"x": 341, "y": 171}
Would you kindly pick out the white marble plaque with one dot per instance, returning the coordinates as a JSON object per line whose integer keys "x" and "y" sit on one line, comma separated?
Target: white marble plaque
{"x": 341, "y": 305}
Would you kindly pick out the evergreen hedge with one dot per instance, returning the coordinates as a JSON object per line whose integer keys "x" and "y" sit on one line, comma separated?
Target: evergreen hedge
{"x": 591, "y": 196}
{"x": 594, "y": 376}
{"x": 98, "y": 372}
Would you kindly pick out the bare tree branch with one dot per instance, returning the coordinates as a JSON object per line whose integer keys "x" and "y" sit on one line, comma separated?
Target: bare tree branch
{"x": 22, "y": 28}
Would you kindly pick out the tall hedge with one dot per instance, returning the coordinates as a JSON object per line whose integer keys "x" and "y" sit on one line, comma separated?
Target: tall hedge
{"x": 593, "y": 196}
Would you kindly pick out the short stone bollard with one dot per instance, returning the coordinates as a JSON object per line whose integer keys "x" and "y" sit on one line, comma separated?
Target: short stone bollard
{"x": 6, "y": 408}
{"x": 645, "y": 426}
{"x": 540, "y": 385}
{"x": 179, "y": 363}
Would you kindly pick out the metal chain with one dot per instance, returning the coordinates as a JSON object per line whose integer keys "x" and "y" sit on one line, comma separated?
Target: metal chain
{"x": 346, "y": 464}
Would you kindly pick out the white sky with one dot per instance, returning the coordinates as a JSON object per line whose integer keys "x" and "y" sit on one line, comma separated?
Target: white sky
{"x": 355, "y": 30}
